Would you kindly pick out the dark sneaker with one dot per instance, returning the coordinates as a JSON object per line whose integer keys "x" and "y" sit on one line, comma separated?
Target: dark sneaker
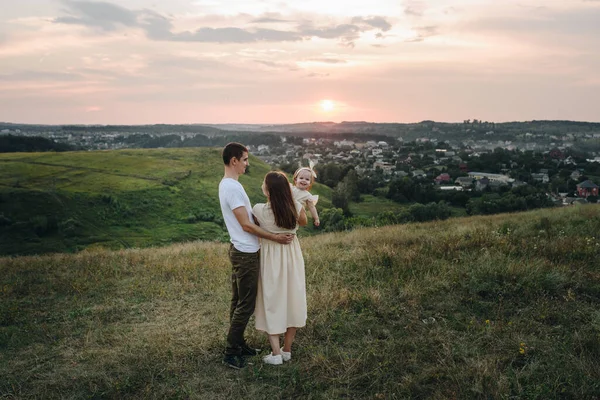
{"x": 249, "y": 351}
{"x": 234, "y": 361}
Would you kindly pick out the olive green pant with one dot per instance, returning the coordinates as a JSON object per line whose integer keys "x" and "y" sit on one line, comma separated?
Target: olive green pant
{"x": 244, "y": 285}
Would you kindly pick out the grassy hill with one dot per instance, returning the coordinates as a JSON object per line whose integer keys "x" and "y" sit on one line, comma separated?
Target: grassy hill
{"x": 59, "y": 202}
{"x": 504, "y": 306}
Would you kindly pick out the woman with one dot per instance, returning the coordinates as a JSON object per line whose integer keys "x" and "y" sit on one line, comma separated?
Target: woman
{"x": 281, "y": 298}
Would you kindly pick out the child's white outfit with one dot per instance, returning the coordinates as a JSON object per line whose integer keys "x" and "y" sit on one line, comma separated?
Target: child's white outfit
{"x": 302, "y": 195}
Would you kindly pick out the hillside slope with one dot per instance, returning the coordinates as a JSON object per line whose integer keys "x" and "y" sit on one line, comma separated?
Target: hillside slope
{"x": 57, "y": 202}
{"x": 503, "y": 306}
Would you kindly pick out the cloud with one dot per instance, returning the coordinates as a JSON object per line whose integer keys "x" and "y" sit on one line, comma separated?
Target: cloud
{"x": 414, "y": 8}
{"x": 109, "y": 17}
{"x": 156, "y": 26}
{"x": 235, "y": 35}
{"x": 101, "y": 15}
{"x": 93, "y": 109}
{"x": 270, "y": 18}
{"x": 423, "y": 32}
{"x": 572, "y": 22}
{"x": 329, "y": 60}
{"x": 278, "y": 65}
{"x": 27, "y": 75}
{"x": 375, "y": 22}
{"x": 186, "y": 63}
{"x": 344, "y": 31}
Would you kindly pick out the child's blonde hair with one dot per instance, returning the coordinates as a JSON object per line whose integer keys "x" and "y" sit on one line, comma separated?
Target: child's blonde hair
{"x": 310, "y": 171}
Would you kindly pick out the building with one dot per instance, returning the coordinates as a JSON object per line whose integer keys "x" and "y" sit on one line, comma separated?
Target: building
{"x": 444, "y": 177}
{"x": 586, "y": 189}
{"x": 344, "y": 143}
{"x": 464, "y": 181}
{"x": 541, "y": 177}
{"x": 419, "y": 174}
{"x": 491, "y": 177}
{"x": 482, "y": 183}
{"x": 454, "y": 188}
{"x": 386, "y": 167}
{"x": 575, "y": 175}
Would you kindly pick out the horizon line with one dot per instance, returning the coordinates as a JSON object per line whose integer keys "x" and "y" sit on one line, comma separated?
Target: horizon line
{"x": 297, "y": 123}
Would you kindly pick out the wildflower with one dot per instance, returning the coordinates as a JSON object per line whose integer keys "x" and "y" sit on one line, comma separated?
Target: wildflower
{"x": 487, "y": 321}
{"x": 522, "y": 348}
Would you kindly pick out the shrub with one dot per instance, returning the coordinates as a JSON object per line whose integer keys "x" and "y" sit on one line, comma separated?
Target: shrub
{"x": 5, "y": 221}
{"x": 39, "y": 224}
{"x": 332, "y": 219}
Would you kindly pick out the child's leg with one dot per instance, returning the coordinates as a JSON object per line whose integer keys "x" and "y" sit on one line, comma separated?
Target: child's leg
{"x": 290, "y": 334}
{"x": 274, "y": 341}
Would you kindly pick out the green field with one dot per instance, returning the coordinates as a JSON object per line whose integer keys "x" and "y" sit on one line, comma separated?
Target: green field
{"x": 371, "y": 205}
{"x": 65, "y": 202}
{"x": 496, "y": 307}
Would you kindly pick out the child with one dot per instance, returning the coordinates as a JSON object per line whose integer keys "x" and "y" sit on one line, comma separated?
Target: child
{"x": 303, "y": 180}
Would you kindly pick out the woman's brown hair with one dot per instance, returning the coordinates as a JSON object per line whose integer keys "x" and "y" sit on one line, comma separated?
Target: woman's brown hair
{"x": 282, "y": 202}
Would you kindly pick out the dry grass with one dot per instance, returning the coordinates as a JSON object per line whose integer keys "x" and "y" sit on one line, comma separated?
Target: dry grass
{"x": 484, "y": 307}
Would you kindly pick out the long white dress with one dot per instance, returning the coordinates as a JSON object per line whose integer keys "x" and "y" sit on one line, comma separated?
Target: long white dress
{"x": 281, "y": 297}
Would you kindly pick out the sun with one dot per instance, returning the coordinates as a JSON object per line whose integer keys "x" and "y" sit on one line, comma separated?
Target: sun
{"x": 327, "y": 105}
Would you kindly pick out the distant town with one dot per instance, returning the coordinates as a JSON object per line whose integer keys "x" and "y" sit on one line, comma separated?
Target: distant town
{"x": 561, "y": 158}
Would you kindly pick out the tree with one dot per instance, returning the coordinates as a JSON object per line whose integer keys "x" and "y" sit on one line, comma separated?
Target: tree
{"x": 351, "y": 183}
{"x": 330, "y": 174}
{"x": 332, "y": 219}
{"x": 401, "y": 190}
{"x": 340, "y": 198}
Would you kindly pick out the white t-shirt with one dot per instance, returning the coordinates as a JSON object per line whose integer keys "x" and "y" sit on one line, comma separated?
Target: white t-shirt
{"x": 232, "y": 195}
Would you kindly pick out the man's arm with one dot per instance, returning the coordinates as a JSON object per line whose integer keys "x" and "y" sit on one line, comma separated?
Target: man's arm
{"x": 242, "y": 216}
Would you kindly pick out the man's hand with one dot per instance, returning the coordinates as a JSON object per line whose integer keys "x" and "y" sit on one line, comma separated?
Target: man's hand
{"x": 284, "y": 238}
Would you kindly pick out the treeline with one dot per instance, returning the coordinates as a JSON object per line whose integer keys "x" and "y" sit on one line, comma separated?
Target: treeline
{"x": 14, "y": 144}
{"x": 495, "y": 203}
{"x": 335, "y": 219}
{"x": 148, "y": 141}
{"x": 158, "y": 128}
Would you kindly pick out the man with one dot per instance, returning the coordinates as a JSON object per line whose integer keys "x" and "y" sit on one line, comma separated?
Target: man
{"x": 243, "y": 252}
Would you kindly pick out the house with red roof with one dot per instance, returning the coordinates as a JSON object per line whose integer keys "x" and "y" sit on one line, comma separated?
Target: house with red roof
{"x": 586, "y": 189}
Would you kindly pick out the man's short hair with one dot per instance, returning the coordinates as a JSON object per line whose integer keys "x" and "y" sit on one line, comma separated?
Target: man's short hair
{"x": 233, "y": 149}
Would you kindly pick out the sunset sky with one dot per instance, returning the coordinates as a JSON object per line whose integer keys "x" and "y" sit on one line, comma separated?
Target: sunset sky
{"x": 263, "y": 61}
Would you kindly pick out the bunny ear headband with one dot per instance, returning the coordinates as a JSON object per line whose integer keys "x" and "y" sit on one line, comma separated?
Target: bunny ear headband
{"x": 311, "y": 165}
{"x": 309, "y": 169}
